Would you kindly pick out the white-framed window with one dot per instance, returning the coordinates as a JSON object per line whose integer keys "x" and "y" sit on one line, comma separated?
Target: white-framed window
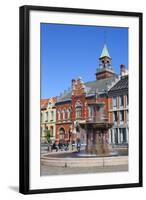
{"x": 52, "y": 115}
{"x": 49, "y": 104}
{"x": 59, "y": 115}
{"x": 63, "y": 114}
{"x": 121, "y": 100}
{"x": 122, "y": 115}
{"x": 78, "y": 112}
{"x": 78, "y": 109}
{"x": 114, "y": 101}
{"x": 124, "y": 136}
{"x": 46, "y": 116}
{"x": 127, "y": 99}
{"x": 115, "y": 117}
{"x": 127, "y": 115}
{"x": 91, "y": 112}
{"x": 68, "y": 114}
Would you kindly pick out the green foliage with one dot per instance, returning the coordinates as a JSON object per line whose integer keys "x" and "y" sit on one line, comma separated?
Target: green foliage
{"x": 48, "y": 135}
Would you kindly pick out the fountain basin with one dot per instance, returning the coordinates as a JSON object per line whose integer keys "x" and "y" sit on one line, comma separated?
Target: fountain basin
{"x": 85, "y": 162}
{"x": 82, "y": 159}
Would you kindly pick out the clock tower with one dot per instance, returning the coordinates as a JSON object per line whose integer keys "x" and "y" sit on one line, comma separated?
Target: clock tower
{"x": 104, "y": 69}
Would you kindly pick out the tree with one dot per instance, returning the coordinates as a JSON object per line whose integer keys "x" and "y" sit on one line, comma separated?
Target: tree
{"x": 48, "y": 136}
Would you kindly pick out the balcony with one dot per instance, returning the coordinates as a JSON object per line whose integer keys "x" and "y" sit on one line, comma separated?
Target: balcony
{"x": 96, "y": 123}
{"x": 97, "y": 119}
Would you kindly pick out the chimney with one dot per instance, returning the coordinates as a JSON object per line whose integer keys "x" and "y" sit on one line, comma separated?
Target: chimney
{"x": 122, "y": 70}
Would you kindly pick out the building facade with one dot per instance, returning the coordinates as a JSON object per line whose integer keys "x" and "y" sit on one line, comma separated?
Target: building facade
{"x": 48, "y": 119}
{"x": 119, "y": 112}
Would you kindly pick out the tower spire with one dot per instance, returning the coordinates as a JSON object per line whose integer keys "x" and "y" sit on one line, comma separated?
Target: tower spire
{"x": 105, "y": 52}
{"x": 105, "y": 69}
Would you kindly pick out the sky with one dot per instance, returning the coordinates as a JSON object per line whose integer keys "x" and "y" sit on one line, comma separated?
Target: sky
{"x": 72, "y": 51}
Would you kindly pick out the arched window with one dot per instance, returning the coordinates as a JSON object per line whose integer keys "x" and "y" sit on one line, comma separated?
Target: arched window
{"x": 78, "y": 106}
{"x": 66, "y": 114}
{"x": 61, "y": 134}
{"x": 69, "y": 113}
{"x": 59, "y": 115}
{"x": 69, "y": 134}
{"x": 63, "y": 114}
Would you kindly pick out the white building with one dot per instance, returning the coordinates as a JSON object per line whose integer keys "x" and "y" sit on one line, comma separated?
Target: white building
{"x": 48, "y": 119}
{"x": 119, "y": 112}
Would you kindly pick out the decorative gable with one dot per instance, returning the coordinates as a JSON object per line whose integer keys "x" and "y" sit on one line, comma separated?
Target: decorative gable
{"x": 78, "y": 87}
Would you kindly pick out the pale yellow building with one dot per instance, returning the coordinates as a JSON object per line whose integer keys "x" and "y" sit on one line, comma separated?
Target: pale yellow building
{"x": 48, "y": 119}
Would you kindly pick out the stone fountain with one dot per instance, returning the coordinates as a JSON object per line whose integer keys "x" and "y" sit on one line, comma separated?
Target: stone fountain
{"x": 95, "y": 131}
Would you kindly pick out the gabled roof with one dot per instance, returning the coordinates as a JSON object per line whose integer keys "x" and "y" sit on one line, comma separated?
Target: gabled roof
{"x": 99, "y": 85}
{"x": 91, "y": 88}
{"x": 105, "y": 52}
{"x": 44, "y": 103}
{"x": 52, "y": 100}
{"x": 65, "y": 97}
